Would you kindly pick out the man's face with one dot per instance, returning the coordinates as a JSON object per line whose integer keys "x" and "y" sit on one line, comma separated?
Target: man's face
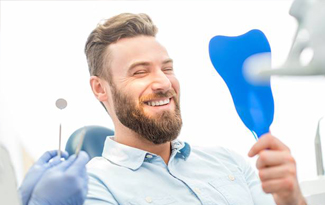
{"x": 145, "y": 91}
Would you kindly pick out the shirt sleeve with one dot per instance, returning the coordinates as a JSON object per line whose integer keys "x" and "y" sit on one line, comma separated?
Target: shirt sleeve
{"x": 98, "y": 194}
{"x": 253, "y": 181}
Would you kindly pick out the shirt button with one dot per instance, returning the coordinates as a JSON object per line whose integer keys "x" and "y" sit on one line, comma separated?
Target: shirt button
{"x": 231, "y": 177}
{"x": 149, "y": 156}
{"x": 197, "y": 190}
{"x": 148, "y": 199}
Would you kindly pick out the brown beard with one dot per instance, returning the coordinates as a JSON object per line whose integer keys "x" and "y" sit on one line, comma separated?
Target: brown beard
{"x": 160, "y": 128}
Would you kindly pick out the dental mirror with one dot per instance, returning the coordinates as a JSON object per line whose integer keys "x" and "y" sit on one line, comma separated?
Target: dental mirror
{"x": 61, "y": 104}
{"x": 253, "y": 100}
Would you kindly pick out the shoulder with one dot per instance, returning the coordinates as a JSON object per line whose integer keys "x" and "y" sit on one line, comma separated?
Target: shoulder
{"x": 216, "y": 153}
{"x": 98, "y": 190}
{"x": 98, "y": 163}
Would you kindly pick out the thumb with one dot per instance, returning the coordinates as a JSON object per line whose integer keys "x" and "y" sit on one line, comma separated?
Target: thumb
{"x": 47, "y": 156}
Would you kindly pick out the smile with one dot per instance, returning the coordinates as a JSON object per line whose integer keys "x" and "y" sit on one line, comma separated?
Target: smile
{"x": 158, "y": 102}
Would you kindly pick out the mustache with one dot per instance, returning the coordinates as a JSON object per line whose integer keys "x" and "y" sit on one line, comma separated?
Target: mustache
{"x": 168, "y": 94}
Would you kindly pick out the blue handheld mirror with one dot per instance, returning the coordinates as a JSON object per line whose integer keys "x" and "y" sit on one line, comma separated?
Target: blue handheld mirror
{"x": 253, "y": 101}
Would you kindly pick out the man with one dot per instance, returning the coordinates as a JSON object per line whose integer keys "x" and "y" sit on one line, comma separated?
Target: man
{"x": 132, "y": 76}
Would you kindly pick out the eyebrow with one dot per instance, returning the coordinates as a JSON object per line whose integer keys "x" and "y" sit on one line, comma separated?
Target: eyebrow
{"x": 169, "y": 60}
{"x": 144, "y": 63}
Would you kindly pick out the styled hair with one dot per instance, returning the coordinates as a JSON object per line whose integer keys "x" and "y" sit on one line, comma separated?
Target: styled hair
{"x": 125, "y": 25}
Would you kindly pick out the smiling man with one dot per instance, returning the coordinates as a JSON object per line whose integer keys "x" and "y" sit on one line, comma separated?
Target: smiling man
{"x": 133, "y": 77}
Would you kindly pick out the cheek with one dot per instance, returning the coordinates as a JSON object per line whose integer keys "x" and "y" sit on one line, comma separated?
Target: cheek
{"x": 138, "y": 88}
{"x": 133, "y": 93}
{"x": 175, "y": 84}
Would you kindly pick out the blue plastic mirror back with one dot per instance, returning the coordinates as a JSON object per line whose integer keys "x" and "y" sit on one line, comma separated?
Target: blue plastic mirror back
{"x": 253, "y": 102}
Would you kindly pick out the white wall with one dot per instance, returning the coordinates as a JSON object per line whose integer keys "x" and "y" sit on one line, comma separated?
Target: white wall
{"x": 42, "y": 60}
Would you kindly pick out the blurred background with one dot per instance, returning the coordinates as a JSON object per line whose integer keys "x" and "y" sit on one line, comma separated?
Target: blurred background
{"x": 42, "y": 59}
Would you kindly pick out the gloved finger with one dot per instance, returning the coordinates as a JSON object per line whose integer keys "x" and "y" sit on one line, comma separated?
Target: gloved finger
{"x": 63, "y": 166}
{"x": 64, "y": 154}
{"x": 55, "y": 161}
{"x": 47, "y": 156}
{"x": 80, "y": 162}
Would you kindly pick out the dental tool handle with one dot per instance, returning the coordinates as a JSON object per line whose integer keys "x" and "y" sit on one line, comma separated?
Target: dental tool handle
{"x": 59, "y": 151}
{"x": 262, "y": 129}
{"x": 81, "y": 140}
{"x": 255, "y": 135}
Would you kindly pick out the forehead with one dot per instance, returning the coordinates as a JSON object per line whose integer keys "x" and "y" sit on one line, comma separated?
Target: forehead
{"x": 127, "y": 51}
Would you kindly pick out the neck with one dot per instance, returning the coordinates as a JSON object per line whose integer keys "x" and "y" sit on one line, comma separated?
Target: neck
{"x": 128, "y": 137}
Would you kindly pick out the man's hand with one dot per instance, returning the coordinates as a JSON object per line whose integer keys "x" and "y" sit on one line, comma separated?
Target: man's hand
{"x": 277, "y": 170}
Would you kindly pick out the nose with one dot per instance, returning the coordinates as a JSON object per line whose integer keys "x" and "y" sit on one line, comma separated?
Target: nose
{"x": 161, "y": 82}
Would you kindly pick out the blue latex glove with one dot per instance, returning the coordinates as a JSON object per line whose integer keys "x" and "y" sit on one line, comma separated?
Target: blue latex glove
{"x": 66, "y": 183}
{"x": 35, "y": 173}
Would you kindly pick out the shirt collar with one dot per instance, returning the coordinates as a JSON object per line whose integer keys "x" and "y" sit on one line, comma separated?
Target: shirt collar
{"x": 133, "y": 158}
{"x": 180, "y": 149}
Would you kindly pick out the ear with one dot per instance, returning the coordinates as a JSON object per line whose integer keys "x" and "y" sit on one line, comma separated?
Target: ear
{"x": 99, "y": 88}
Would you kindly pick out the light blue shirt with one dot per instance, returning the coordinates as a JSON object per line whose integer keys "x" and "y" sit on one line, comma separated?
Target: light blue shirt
{"x": 129, "y": 176}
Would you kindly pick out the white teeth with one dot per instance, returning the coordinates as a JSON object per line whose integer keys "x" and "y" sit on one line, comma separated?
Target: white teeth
{"x": 157, "y": 103}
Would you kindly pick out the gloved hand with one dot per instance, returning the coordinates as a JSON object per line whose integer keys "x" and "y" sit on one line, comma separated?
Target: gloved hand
{"x": 66, "y": 183}
{"x": 35, "y": 173}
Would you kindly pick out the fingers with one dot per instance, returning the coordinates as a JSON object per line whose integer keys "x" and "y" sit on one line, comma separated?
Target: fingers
{"x": 269, "y": 158}
{"x": 267, "y": 141}
{"x": 56, "y": 160}
{"x": 277, "y": 172}
{"x": 74, "y": 163}
{"x": 64, "y": 154}
{"x": 47, "y": 156}
{"x": 282, "y": 185}
{"x": 277, "y": 169}
{"x": 80, "y": 162}
{"x": 63, "y": 166}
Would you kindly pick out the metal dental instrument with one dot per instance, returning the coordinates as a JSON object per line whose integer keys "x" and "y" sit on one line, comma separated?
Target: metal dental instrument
{"x": 81, "y": 139}
{"x": 61, "y": 104}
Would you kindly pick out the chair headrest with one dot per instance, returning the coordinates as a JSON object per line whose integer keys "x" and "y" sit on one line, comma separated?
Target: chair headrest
{"x": 94, "y": 140}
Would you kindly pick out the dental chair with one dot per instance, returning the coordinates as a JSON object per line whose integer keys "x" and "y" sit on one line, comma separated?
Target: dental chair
{"x": 93, "y": 143}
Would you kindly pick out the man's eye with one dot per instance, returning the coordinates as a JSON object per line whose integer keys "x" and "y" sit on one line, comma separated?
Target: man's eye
{"x": 168, "y": 69}
{"x": 140, "y": 72}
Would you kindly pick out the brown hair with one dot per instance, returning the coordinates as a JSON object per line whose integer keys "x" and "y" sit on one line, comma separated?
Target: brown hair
{"x": 125, "y": 25}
